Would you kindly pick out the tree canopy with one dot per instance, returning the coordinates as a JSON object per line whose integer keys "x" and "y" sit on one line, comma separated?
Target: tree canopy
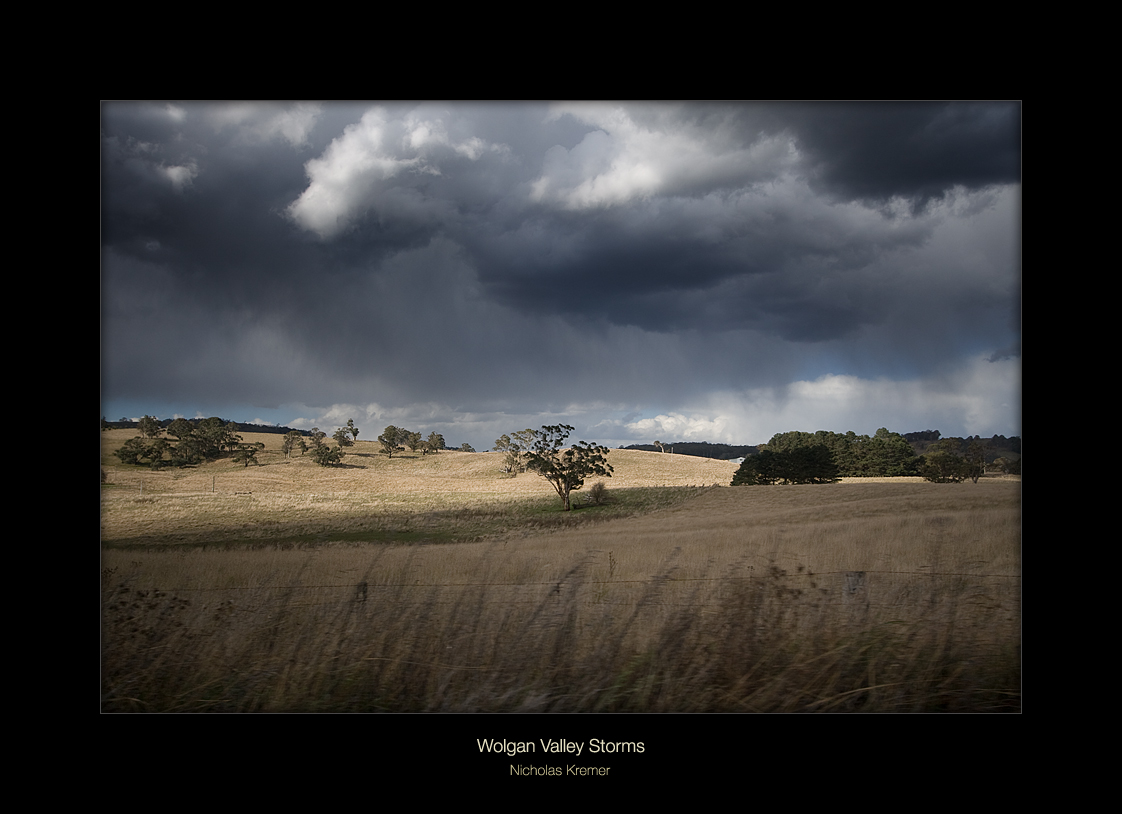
{"x": 390, "y": 439}
{"x": 434, "y": 443}
{"x": 514, "y": 447}
{"x": 941, "y": 465}
{"x": 566, "y": 469}
{"x": 804, "y": 464}
{"x": 885, "y": 454}
{"x": 321, "y": 452}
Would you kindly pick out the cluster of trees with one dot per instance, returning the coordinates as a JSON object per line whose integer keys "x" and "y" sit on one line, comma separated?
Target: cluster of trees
{"x": 997, "y": 446}
{"x": 319, "y": 450}
{"x": 806, "y": 464}
{"x": 942, "y": 465}
{"x": 197, "y": 441}
{"x": 322, "y": 453}
{"x": 540, "y": 451}
{"x": 882, "y": 454}
{"x": 823, "y": 457}
{"x": 208, "y": 439}
{"x": 953, "y": 460}
{"x": 396, "y": 439}
{"x": 885, "y": 454}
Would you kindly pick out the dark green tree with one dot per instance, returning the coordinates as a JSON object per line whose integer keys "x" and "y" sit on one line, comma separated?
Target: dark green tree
{"x": 886, "y": 454}
{"x": 800, "y": 464}
{"x": 941, "y": 465}
{"x": 413, "y": 440}
{"x": 342, "y": 437}
{"x": 434, "y": 443}
{"x": 755, "y": 470}
{"x": 326, "y": 455}
{"x": 149, "y": 426}
{"x": 322, "y": 453}
{"x": 390, "y": 440}
{"x": 975, "y": 460}
{"x": 144, "y": 452}
{"x": 205, "y": 440}
{"x": 180, "y": 428}
{"x": 246, "y": 453}
{"x": 813, "y": 464}
{"x": 566, "y": 469}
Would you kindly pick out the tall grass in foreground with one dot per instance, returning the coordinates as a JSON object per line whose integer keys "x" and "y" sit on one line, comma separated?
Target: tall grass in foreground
{"x": 744, "y": 637}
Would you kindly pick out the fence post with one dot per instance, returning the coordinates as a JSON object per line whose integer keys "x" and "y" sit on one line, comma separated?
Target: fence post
{"x": 856, "y": 590}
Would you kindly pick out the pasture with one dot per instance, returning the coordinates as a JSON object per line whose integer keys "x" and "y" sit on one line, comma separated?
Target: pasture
{"x": 438, "y": 583}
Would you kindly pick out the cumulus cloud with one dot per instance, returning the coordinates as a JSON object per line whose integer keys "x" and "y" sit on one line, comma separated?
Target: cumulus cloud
{"x": 343, "y": 181}
{"x": 350, "y": 177}
{"x": 625, "y": 159}
{"x": 679, "y": 427}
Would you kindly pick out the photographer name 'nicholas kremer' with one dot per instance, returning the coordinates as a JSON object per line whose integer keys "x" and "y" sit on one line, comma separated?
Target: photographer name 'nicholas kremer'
{"x": 556, "y": 771}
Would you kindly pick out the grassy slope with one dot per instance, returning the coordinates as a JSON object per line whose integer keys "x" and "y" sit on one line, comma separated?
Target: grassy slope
{"x": 410, "y": 497}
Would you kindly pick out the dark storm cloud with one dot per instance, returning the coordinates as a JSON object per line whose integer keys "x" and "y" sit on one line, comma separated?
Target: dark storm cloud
{"x": 716, "y": 216}
{"x": 521, "y": 258}
{"x": 917, "y": 151}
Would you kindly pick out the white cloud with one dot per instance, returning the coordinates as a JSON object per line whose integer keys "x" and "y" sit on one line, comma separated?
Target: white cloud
{"x": 346, "y": 180}
{"x": 422, "y": 133}
{"x": 979, "y": 397}
{"x": 624, "y": 160}
{"x": 181, "y": 176}
{"x": 677, "y": 427}
{"x": 295, "y": 123}
{"x": 257, "y": 122}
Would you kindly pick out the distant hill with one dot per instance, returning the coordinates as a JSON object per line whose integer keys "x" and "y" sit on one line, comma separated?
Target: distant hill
{"x": 701, "y": 449}
{"x": 125, "y": 424}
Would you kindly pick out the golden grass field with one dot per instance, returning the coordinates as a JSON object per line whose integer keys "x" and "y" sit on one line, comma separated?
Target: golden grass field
{"x": 441, "y": 584}
{"x": 450, "y": 493}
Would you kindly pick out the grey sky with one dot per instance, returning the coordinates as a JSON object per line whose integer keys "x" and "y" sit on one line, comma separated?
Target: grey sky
{"x": 713, "y": 272}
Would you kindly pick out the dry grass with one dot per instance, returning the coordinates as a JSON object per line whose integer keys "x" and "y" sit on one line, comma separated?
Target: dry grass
{"x": 450, "y": 496}
{"x": 731, "y": 599}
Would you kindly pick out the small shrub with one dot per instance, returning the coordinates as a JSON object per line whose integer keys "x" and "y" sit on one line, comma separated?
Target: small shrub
{"x": 598, "y": 493}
